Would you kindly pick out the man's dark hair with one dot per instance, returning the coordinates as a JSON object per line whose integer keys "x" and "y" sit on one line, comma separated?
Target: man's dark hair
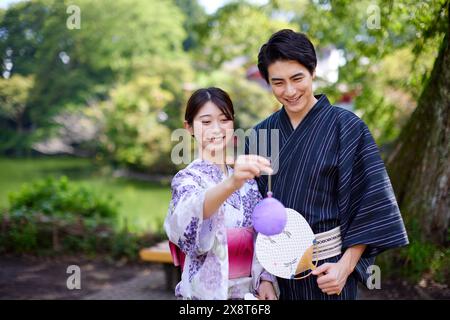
{"x": 287, "y": 45}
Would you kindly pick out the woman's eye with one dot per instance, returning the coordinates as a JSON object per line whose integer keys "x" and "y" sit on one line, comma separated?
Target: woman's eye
{"x": 206, "y": 122}
{"x": 225, "y": 120}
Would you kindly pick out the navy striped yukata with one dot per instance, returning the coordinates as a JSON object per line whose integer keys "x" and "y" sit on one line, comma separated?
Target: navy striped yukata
{"x": 331, "y": 172}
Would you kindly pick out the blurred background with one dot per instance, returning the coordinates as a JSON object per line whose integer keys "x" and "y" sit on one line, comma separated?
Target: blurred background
{"x": 90, "y": 92}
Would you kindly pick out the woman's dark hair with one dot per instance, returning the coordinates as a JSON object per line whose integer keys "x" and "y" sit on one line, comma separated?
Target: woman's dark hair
{"x": 217, "y": 96}
{"x": 287, "y": 45}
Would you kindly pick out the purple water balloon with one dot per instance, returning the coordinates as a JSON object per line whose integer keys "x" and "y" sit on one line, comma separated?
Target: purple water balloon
{"x": 269, "y": 216}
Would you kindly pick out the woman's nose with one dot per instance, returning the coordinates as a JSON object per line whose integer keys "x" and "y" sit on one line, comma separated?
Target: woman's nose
{"x": 216, "y": 126}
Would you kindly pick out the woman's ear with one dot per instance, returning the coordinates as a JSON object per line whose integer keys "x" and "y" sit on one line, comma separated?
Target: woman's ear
{"x": 314, "y": 74}
{"x": 188, "y": 127}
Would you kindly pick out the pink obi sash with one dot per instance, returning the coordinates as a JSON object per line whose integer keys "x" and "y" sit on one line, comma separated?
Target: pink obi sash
{"x": 240, "y": 252}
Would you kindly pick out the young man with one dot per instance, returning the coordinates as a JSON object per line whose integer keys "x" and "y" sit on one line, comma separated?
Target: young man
{"x": 330, "y": 171}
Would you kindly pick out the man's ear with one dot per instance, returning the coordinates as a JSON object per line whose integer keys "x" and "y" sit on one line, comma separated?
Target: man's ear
{"x": 188, "y": 127}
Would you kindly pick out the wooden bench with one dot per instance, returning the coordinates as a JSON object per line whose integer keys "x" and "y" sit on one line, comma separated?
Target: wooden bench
{"x": 160, "y": 253}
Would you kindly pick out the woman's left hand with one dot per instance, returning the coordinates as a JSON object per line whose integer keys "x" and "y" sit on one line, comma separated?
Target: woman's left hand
{"x": 331, "y": 277}
{"x": 266, "y": 291}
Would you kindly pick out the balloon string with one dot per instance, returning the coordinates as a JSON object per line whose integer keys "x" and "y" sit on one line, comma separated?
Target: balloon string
{"x": 269, "y": 192}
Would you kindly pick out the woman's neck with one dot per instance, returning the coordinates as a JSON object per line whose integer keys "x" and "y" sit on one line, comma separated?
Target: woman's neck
{"x": 218, "y": 158}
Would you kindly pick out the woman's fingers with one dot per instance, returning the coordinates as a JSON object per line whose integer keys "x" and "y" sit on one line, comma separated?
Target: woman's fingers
{"x": 264, "y": 168}
{"x": 262, "y": 164}
{"x": 251, "y": 168}
{"x": 254, "y": 168}
{"x": 253, "y": 159}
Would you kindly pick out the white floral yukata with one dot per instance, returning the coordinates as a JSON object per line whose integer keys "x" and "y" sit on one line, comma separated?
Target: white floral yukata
{"x": 204, "y": 241}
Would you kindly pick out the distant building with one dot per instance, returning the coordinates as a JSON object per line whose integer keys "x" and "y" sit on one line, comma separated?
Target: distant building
{"x": 253, "y": 74}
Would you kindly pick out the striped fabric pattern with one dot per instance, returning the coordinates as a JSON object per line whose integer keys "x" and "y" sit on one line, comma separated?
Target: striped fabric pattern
{"x": 331, "y": 172}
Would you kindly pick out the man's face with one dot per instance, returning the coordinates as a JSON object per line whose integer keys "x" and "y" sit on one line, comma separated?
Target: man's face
{"x": 291, "y": 84}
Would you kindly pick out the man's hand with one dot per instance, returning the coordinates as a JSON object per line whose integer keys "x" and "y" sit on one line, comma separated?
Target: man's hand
{"x": 266, "y": 291}
{"x": 331, "y": 277}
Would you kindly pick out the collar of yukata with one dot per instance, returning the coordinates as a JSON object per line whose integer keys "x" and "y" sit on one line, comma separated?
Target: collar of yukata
{"x": 210, "y": 167}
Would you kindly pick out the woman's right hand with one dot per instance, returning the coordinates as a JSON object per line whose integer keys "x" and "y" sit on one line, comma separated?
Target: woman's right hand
{"x": 248, "y": 167}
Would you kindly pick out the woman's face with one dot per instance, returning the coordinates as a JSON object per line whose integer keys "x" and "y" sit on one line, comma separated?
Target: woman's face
{"x": 211, "y": 128}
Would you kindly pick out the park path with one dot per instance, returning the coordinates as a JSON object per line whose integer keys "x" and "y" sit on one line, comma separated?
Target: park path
{"x": 148, "y": 285}
{"x": 25, "y": 278}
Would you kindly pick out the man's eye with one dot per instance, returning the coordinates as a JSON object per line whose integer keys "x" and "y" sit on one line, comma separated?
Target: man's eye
{"x": 298, "y": 79}
{"x": 277, "y": 83}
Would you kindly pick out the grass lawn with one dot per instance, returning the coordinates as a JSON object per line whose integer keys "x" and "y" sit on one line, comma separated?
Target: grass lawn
{"x": 143, "y": 204}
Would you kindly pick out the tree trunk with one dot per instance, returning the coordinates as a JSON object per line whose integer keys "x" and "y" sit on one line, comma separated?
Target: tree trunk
{"x": 419, "y": 165}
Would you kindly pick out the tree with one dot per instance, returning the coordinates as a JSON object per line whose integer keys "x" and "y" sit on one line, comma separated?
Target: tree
{"x": 238, "y": 29}
{"x": 420, "y": 164}
{"x": 132, "y": 134}
{"x": 74, "y": 67}
{"x": 21, "y": 27}
{"x": 14, "y": 95}
{"x": 195, "y": 16}
{"x": 370, "y": 34}
{"x": 176, "y": 76}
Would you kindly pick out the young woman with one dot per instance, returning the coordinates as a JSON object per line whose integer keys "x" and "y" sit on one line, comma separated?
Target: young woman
{"x": 209, "y": 216}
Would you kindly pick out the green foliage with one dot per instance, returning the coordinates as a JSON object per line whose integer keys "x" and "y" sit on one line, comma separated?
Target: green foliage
{"x": 132, "y": 131}
{"x": 175, "y": 76}
{"x": 237, "y": 29}
{"x": 14, "y": 94}
{"x": 125, "y": 244}
{"x": 379, "y": 114}
{"x": 417, "y": 260}
{"x": 61, "y": 198}
{"x": 23, "y": 235}
{"x": 54, "y": 216}
{"x": 14, "y": 121}
{"x": 391, "y": 59}
{"x": 195, "y": 16}
{"x": 75, "y": 67}
{"x": 143, "y": 204}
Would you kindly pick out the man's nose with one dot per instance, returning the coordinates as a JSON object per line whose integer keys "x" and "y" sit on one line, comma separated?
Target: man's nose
{"x": 290, "y": 90}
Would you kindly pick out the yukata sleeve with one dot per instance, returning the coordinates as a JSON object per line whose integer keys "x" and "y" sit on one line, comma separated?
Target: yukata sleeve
{"x": 369, "y": 211}
{"x": 260, "y": 274}
{"x": 184, "y": 223}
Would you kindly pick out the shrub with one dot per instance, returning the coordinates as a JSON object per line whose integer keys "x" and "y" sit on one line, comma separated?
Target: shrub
{"x": 54, "y": 216}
